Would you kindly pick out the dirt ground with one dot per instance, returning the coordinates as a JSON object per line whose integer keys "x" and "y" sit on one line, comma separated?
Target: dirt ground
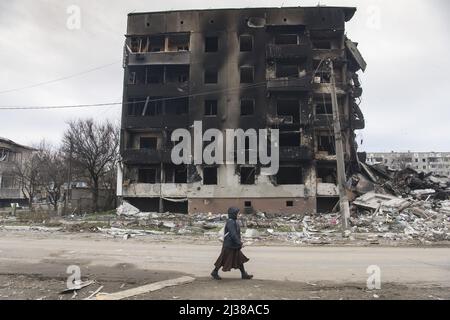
{"x": 37, "y": 287}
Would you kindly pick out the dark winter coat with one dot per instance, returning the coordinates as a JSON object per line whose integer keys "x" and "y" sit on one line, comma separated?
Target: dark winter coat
{"x": 233, "y": 239}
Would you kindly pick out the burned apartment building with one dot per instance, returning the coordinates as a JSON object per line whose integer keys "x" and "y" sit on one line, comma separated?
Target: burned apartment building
{"x": 238, "y": 68}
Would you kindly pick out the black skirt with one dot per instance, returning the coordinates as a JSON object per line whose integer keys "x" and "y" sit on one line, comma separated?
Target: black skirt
{"x": 230, "y": 259}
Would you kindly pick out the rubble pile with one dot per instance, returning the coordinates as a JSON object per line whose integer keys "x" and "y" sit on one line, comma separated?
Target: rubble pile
{"x": 403, "y": 204}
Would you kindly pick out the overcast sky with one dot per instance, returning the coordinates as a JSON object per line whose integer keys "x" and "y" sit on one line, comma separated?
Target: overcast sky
{"x": 405, "y": 43}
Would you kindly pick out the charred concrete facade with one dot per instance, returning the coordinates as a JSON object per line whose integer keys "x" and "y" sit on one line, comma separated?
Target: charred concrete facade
{"x": 237, "y": 68}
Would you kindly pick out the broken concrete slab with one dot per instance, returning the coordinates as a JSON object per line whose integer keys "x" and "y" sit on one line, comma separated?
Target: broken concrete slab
{"x": 372, "y": 200}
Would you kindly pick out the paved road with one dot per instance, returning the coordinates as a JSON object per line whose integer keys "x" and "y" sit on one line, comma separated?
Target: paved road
{"x": 337, "y": 264}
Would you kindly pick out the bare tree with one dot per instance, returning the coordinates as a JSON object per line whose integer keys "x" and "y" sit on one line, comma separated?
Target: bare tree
{"x": 94, "y": 148}
{"x": 52, "y": 171}
{"x": 26, "y": 171}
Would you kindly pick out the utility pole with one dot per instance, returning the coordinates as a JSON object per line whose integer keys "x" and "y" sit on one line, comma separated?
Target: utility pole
{"x": 343, "y": 199}
{"x": 69, "y": 179}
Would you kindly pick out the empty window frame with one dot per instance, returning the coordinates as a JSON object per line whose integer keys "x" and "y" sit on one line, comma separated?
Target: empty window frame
{"x": 148, "y": 143}
{"x": 174, "y": 74}
{"x": 148, "y": 175}
{"x": 247, "y": 74}
{"x": 246, "y": 43}
{"x": 289, "y": 175}
{"x": 289, "y": 203}
{"x": 6, "y": 155}
{"x": 177, "y": 106}
{"x": 155, "y": 74}
{"x": 210, "y": 175}
{"x": 289, "y": 108}
{"x": 285, "y": 39}
{"x": 326, "y": 143}
{"x": 321, "y": 44}
{"x": 7, "y": 182}
{"x": 327, "y": 174}
{"x": 137, "y": 76}
{"x": 178, "y": 42}
{"x": 210, "y": 107}
{"x": 287, "y": 70}
{"x": 289, "y": 139}
{"x": 247, "y": 175}
{"x": 156, "y": 44}
{"x": 211, "y": 76}
{"x": 247, "y": 204}
{"x": 324, "y": 107}
{"x": 175, "y": 174}
{"x": 247, "y": 107}
{"x": 211, "y": 44}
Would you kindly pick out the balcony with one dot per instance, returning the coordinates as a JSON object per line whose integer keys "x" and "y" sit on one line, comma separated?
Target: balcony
{"x": 142, "y": 122}
{"x": 295, "y": 153}
{"x": 160, "y": 58}
{"x": 323, "y": 54}
{"x": 290, "y": 84}
{"x": 11, "y": 194}
{"x": 289, "y": 51}
{"x": 145, "y": 156}
{"x": 144, "y": 190}
{"x": 172, "y": 89}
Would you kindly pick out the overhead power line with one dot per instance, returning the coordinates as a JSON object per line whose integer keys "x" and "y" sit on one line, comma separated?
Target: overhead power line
{"x": 61, "y": 78}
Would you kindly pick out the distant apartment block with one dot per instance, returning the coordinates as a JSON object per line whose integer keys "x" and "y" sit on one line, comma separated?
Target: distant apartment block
{"x": 435, "y": 162}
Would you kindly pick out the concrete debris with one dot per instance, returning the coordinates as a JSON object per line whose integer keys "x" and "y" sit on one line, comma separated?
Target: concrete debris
{"x": 251, "y": 233}
{"x": 127, "y": 209}
{"x": 77, "y": 286}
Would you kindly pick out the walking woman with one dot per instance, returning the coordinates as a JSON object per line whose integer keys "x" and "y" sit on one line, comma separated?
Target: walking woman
{"x": 231, "y": 256}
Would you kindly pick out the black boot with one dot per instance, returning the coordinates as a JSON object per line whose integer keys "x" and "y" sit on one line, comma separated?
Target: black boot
{"x": 215, "y": 274}
{"x": 244, "y": 273}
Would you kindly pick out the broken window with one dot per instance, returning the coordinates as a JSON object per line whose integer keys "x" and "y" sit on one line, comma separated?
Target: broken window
{"x": 247, "y": 74}
{"x": 175, "y": 174}
{"x": 148, "y": 143}
{"x": 326, "y": 143}
{"x": 149, "y": 175}
{"x": 247, "y": 204}
{"x": 155, "y": 74}
{"x": 210, "y": 107}
{"x": 177, "y": 74}
{"x": 326, "y": 204}
{"x": 211, "y": 75}
{"x": 246, "y": 43}
{"x": 247, "y": 107}
{"x": 324, "y": 108}
{"x": 327, "y": 174}
{"x": 248, "y": 175}
{"x": 321, "y": 44}
{"x": 7, "y": 182}
{"x": 156, "y": 44}
{"x": 289, "y": 108}
{"x": 283, "y": 39}
{"x": 289, "y": 175}
{"x": 6, "y": 155}
{"x": 289, "y": 203}
{"x": 178, "y": 42}
{"x": 287, "y": 70}
{"x": 137, "y": 76}
{"x": 289, "y": 139}
{"x": 177, "y": 106}
{"x": 211, "y": 44}
{"x": 210, "y": 175}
